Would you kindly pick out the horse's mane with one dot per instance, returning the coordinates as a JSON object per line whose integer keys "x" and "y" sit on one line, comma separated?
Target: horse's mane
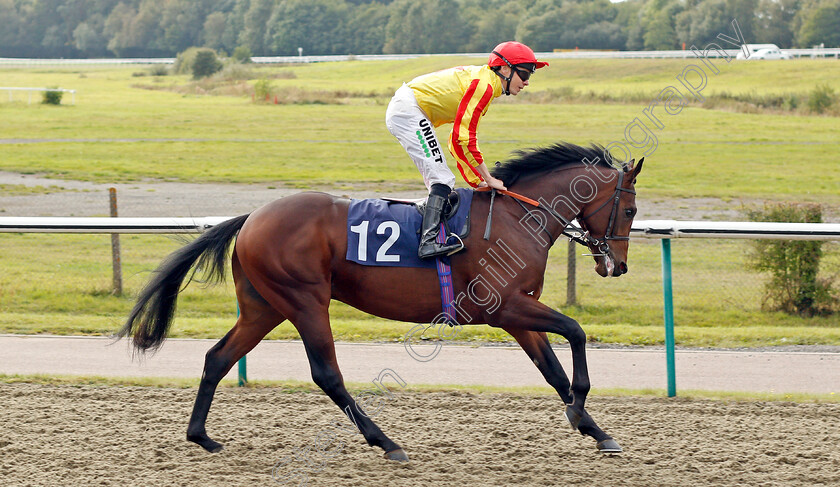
{"x": 531, "y": 162}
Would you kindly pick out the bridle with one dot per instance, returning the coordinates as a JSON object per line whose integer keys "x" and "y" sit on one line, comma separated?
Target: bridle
{"x": 603, "y": 244}
{"x": 583, "y": 237}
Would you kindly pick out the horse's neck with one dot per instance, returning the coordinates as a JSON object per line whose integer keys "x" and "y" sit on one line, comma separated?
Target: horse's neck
{"x": 569, "y": 192}
{"x": 557, "y": 190}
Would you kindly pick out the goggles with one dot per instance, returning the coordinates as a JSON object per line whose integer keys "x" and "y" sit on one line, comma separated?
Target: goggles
{"x": 526, "y": 73}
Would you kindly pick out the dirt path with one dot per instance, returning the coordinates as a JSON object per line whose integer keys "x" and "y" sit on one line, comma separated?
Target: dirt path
{"x": 158, "y": 199}
{"x": 86, "y": 435}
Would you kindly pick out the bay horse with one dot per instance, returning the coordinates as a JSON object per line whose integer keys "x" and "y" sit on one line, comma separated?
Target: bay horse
{"x": 288, "y": 262}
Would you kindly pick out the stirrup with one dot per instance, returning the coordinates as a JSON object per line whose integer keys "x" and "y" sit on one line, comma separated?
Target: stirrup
{"x": 439, "y": 252}
{"x": 460, "y": 244}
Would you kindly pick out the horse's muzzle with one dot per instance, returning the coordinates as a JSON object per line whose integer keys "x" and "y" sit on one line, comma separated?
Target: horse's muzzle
{"x": 620, "y": 269}
{"x": 613, "y": 267}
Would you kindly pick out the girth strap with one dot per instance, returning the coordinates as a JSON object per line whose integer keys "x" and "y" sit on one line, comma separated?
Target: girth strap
{"x": 444, "y": 271}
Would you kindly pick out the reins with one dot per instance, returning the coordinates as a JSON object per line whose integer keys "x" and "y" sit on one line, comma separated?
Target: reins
{"x": 520, "y": 199}
{"x": 585, "y": 238}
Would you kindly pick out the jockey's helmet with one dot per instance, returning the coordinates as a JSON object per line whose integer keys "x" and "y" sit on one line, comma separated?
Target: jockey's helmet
{"x": 519, "y": 57}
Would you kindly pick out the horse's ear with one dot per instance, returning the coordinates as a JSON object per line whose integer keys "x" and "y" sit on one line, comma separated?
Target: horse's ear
{"x": 627, "y": 166}
{"x": 638, "y": 168}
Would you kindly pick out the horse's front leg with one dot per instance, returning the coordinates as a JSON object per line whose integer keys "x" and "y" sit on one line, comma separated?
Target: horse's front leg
{"x": 538, "y": 348}
{"x": 524, "y": 312}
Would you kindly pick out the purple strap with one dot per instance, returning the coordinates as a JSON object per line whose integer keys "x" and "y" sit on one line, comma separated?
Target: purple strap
{"x": 447, "y": 295}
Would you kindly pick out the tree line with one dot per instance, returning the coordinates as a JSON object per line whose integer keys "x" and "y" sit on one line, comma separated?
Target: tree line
{"x": 162, "y": 28}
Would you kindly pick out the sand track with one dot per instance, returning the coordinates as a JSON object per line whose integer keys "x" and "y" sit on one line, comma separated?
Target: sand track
{"x": 97, "y": 435}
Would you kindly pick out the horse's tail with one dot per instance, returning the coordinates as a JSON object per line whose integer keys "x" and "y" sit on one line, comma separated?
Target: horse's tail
{"x": 152, "y": 315}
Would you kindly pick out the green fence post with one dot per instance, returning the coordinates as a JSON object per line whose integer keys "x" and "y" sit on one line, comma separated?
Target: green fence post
{"x": 668, "y": 297}
{"x": 243, "y": 371}
{"x": 243, "y": 362}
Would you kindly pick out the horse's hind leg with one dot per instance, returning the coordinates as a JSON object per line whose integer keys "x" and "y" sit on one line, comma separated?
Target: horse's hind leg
{"x": 314, "y": 329}
{"x": 256, "y": 319}
{"x": 538, "y": 348}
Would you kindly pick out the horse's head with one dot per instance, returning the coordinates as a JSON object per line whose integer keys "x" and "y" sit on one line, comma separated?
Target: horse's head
{"x": 607, "y": 219}
{"x": 583, "y": 184}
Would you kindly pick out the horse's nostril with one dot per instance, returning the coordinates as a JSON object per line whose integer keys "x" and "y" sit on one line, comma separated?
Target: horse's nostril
{"x": 623, "y": 267}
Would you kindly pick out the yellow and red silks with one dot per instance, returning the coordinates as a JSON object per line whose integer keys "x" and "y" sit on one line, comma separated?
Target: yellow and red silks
{"x": 460, "y": 96}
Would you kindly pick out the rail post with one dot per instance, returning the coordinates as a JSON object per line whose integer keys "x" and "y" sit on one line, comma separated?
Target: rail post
{"x": 668, "y": 297}
{"x": 243, "y": 370}
{"x": 243, "y": 362}
{"x": 571, "y": 277}
{"x": 116, "y": 257}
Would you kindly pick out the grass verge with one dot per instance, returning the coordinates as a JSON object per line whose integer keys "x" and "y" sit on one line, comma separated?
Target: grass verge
{"x": 717, "y": 301}
{"x": 376, "y": 330}
{"x": 119, "y": 132}
{"x": 287, "y": 387}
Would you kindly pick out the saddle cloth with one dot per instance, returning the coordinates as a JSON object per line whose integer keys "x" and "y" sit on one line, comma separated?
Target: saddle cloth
{"x": 387, "y": 233}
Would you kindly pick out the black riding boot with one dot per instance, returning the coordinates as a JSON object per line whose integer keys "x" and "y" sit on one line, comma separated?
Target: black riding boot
{"x": 431, "y": 225}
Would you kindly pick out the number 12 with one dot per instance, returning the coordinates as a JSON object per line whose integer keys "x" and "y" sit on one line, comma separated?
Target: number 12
{"x": 382, "y": 254}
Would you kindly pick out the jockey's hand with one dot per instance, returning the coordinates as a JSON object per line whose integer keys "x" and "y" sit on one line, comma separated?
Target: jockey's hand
{"x": 493, "y": 183}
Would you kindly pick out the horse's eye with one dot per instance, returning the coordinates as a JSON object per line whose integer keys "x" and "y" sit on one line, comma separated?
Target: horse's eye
{"x": 630, "y": 212}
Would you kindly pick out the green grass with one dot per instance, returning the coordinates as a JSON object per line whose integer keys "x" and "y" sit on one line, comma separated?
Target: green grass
{"x": 700, "y": 152}
{"x": 230, "y": 139}
{"x": 717, "y": 301}
{"x": 61, "y": 284}
{"x": 293, "y": 386}
{"x": 23, "y": 190}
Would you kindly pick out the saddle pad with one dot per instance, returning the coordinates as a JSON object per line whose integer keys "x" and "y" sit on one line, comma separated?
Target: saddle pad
{"x": 385, "y": 233}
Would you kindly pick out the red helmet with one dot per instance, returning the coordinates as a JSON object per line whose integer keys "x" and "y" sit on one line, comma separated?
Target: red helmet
{"x": 514, "y": 53}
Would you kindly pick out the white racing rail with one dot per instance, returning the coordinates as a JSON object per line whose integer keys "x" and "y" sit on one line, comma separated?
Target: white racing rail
{"x": 751, "y": 230}
{"x": 11, "y": 89}
{"x": 23, "y": 224}
{"x": 570, "y": 54}
{"x": 657, "y": 229}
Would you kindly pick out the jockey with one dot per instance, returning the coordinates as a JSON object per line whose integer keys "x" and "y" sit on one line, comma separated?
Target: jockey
{"x": 460, "y": 96}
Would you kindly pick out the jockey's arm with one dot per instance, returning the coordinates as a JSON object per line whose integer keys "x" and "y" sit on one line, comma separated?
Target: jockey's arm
{"x": 488, "y": 179}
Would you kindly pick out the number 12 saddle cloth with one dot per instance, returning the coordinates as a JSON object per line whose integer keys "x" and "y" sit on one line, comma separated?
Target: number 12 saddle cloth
{"x": 387, "y": 232}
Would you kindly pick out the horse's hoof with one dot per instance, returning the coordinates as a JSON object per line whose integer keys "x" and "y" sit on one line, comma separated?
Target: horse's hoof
{"x": 205, "y": 442}
{"x": 573, "y": 417}
{"x": 397, "y": 455}
{"x": 609, "y": 446}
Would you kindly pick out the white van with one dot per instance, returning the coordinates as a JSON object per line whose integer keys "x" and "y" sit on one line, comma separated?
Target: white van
{"x": 762, "y": 51}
